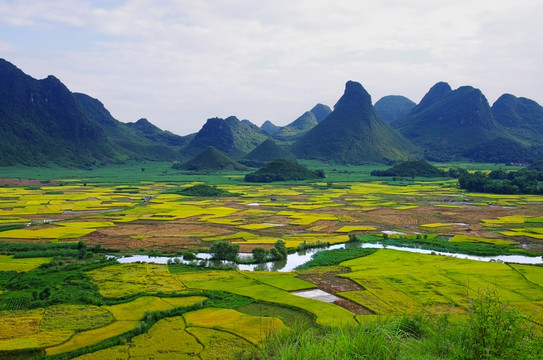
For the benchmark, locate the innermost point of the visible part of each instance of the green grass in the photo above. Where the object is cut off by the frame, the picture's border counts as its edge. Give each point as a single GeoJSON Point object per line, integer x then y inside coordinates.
{"type": "Point", "coordinates": [290, 316]}
{"type": "Point", "coordinates": [492, 330]}
{"type": "Point", "coordinates": [335, 257]}
{"type": "Point", "coordinates": [438, 244]}
{"type": "Point", "coordinates": [325, 313]}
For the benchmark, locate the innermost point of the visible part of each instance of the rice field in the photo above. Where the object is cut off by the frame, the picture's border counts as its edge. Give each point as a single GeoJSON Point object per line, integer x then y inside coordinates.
{"type": "Point", "coordinates": [115, 215]}
{"type": "Point", "coordinates": [410, 283]}
{"type": "Point", "coordinates": [250, 328]}
{"type": "Point", "coordinates": [8, 263]}
{"type": "Point", "coordinates": [144, 216]}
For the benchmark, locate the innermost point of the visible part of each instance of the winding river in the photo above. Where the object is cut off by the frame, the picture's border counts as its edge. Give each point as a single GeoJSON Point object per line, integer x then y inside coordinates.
{"type": "Point", "coordinates": [301, 257]}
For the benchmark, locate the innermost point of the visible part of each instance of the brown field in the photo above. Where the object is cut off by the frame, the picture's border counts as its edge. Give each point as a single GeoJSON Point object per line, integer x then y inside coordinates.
{"type": "Point", "coordinates": [176, 235]}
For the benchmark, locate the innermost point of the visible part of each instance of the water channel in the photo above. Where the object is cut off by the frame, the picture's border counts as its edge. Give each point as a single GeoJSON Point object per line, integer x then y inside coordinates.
{"type": "Point", "coordinates": [301, 257]}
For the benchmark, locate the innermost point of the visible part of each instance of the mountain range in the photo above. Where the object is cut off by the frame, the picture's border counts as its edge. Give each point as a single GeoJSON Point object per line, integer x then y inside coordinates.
{"type": "Point", "coordinates": [42, 122]}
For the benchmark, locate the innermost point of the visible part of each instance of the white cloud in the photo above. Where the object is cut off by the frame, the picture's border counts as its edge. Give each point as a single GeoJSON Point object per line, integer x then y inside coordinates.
{"type": "Point", "coordinates": [179, 62]}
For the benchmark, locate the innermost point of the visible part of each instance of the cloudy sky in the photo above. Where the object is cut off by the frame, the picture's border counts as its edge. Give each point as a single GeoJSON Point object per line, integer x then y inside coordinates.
{"type": "Point", "coordinates": [180, 62]}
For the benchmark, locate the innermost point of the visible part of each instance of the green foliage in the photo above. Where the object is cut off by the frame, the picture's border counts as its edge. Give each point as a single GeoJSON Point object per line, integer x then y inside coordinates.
{"type": "Point", "coordinates": [437, 244]}
{"type": "Point", "coordinates": [279, 250]}
{"type": "Point", "coordinates": [495, 330]}
{"type": "Point", "coordinates": [200, 190]}
{"type": "Point", "coordinates": [58, 282]}
{"type": "Point", "coordinates": [523, 181]}
{"type": "Point", "coordinates": [411, 169]}
{"type": "Point", "coordinates": [6, 276]}
{"type": "Point", "coordinates": [260, 255]}
{"type": "Point", "coordinates": [223, 250]}
{"type": "Point", "coordinates": [11, 227]}
{"type": "Point", "coordinates": [335, 257]}
{"type": "Point", "coordinates": [491, 331]}
{"type": "Point", "coordinates": [34, 249]}
{"type": "Point", "coordinates": [225, 300]}
{"type": "Point", "coordinates": [283, 170]}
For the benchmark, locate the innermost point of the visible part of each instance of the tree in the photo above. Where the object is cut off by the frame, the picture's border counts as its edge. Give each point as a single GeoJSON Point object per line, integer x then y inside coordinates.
{"type": "Point", "coordinates": [281, 249]}
{"type": "Point", "coordinates": [223, 250]}
{"type": "Point", "coordinates": [260, 255]}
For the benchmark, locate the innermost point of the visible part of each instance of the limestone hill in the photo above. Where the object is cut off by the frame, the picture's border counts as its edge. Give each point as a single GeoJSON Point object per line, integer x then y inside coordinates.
{"type": "Point", "coordinates": [266, 152]}
{"type": "Point", "coordinates": [210, 160]}
{"type": "Point", "coordinates": [353, 133]}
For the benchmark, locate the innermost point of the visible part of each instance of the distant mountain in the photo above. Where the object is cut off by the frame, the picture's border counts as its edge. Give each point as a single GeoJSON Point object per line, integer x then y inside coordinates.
{"type": "Point", "coordinates": [297, 128]}
{"type": "Point", "coordinates": [266, 152]}
{"type": "Point", "coordinates": [269, 128]}
{"type": "Point", "coordinates": [436, 92]}
{"type": "Point", "coordinates": [520, 116]}
{"type": "Point", "coordinates": [353, 133]}
{"type": "Point", "coordinates": [230, 136]}
{"type": "Point", "coordinates": [140, 140]}
{"type": "Point", "coordinates": [42, 122]}
{"type": "Point", "coordinates": [394, 107]}
{"type": "Point", "coordinates": [152, 133]}
{"type": "Point", "coordinates": [455, 124]}
{"type": "Point", "coordinates": [321, 112]}
{"type": "Point", "coordinates": [210, 160]}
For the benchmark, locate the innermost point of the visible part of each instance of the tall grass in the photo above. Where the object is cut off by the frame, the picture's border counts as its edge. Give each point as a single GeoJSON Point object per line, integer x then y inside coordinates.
{"type": "Point", "coordinates": [492, 330]}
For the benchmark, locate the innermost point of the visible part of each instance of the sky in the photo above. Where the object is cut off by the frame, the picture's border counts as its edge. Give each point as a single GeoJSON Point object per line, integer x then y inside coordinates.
{"type": "Point", "coordinates": [179, 62]}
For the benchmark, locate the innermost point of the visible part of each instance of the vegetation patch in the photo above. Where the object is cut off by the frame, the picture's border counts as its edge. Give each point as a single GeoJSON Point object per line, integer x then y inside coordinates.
{"type": "Point", "coordinates": [251, 328]}
{"type": "Point", "coordinates": [412, 282]}
{"type": "Point", "coordinates": [130, 279]}
{"type": "Point", "coordinates": [219, 345]}
{"type": "Point", "coordinates": [50, 232]}
{"type": "Point", "coordinates": [283, 170]}
{"type": "Point", "coordinates": [91, 337]}
{"type": "Point", "coordinates": [8, 263]}
{"type": "Point", "coordinates": [418, 168]}
{"type": "Point", "coordinates": [351, 228]}
{"type": "Point", "coordinates": [74, 317]}
{"type": "Point", "coordinates": [335, 257]}
{"type": "Point", "coordinates": [200, 190]}
{"type": "Point", "coordinates": [325, 313]}
{"type": "Point", "coordinates": [167, 338]}
{"type": "Point", "coordinates": [465, 238]}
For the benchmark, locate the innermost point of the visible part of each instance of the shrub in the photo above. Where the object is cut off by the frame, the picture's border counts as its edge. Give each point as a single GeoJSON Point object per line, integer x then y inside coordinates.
{"type": "Point", "coordinates": [223, 250]}
{"type": "Point", "coordinates": [496, 331]}
{"type": "Point", "coordinates": [260, 255]}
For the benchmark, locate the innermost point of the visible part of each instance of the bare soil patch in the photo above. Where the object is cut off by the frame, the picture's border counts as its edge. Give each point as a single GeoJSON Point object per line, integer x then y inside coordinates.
{"type": "Point", "coordinates": [333, 284]}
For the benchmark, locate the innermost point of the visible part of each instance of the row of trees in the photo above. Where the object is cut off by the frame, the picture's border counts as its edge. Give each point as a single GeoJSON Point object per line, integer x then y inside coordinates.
{"type": "Point", "coordinates": [224, 250]}
{"type": "Point", "coordinates": [523, 181]}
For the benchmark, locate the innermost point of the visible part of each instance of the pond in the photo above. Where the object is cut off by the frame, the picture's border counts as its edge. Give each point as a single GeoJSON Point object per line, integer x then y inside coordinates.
{"type": "Point", "coordinates": [301, 257]}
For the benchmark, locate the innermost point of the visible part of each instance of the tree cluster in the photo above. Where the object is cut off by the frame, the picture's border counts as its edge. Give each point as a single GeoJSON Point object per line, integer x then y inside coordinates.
{"type": "Point", "coordinates": [283, 170]}
{"type": "Point", "coordinates": [523, 181]}
{"type": "Point", "coordinates": [411, 169]}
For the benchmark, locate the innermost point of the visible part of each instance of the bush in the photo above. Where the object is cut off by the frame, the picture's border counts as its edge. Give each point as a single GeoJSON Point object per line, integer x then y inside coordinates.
{"type": "Point", "coordinates": [496, 331]}
{"type": "Point", "coordinates": [260, 255]}
{"type": "Point", "coordinates": [223, 250]}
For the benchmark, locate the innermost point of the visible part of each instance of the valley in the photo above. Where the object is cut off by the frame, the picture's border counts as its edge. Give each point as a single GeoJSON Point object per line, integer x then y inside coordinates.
{"type": "Point", "coordinates": [61, 297]}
